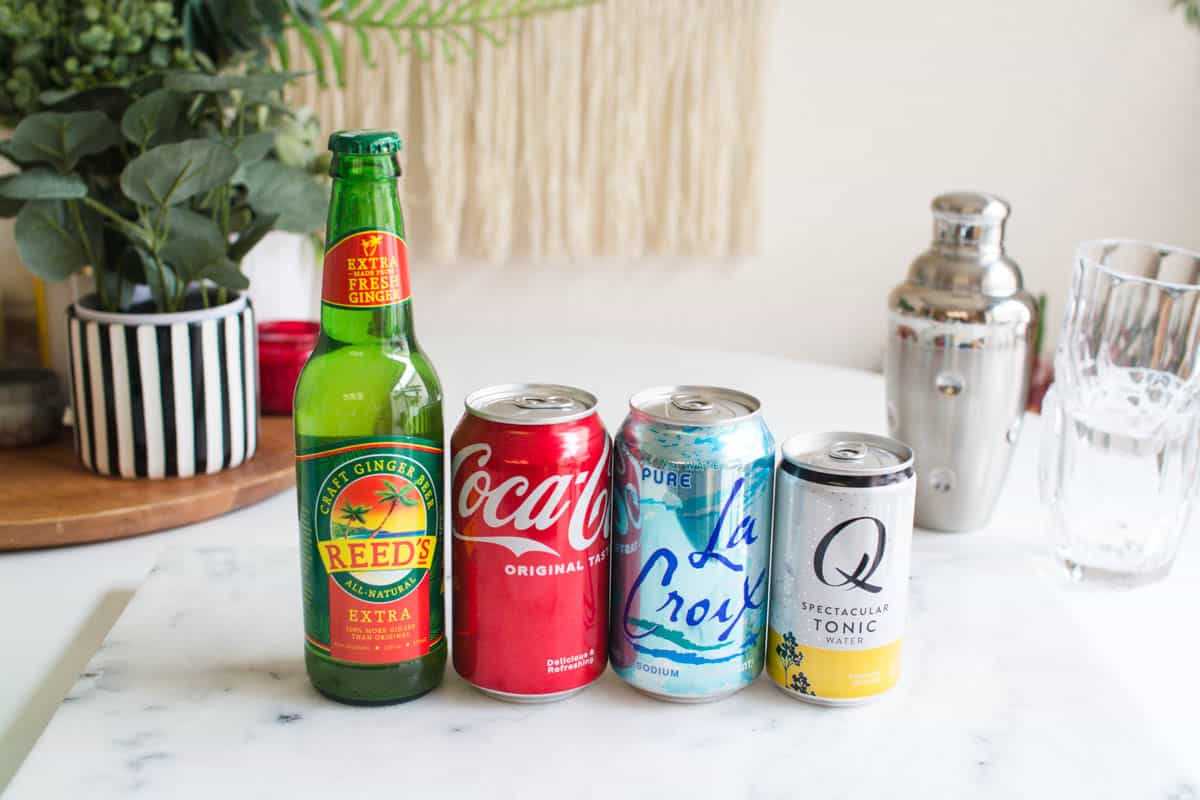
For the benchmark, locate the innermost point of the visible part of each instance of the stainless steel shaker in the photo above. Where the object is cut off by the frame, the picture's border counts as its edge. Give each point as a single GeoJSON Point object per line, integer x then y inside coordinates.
{"type": "Point", "coordinates": [961, 339]}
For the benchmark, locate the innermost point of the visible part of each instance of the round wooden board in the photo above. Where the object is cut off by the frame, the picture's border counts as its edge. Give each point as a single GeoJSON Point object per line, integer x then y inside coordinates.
{"type": "Point", "coordinates": [48, 499]}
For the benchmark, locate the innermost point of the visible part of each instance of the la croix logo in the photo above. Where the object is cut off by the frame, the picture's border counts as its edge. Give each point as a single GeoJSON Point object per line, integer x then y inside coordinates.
{"type": "Point", "coordinates": [540, 507]}
{"type": "Point", "coordinates": [370, 244]}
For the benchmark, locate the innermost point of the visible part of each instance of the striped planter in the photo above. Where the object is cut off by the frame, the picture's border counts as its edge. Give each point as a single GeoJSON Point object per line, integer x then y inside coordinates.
{"type": "Point", "coordinates": [164, 395]}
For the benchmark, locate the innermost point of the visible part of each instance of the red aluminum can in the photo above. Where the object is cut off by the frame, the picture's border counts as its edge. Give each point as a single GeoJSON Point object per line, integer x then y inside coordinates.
{"type": "Point", "coordinates": [530, 483]}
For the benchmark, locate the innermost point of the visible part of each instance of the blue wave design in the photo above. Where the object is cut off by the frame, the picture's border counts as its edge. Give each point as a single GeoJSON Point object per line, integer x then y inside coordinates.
{"type": "Point", "coordinates": [683, 658]}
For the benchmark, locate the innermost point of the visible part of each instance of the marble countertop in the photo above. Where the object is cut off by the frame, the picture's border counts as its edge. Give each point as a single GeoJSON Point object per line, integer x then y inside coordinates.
{"type": "Point", "coordinates": [1014, 685]}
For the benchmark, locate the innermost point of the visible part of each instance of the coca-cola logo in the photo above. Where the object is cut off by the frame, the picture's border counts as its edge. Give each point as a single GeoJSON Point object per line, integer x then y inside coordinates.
{"type": "Point", "coordinates": [539, 509]}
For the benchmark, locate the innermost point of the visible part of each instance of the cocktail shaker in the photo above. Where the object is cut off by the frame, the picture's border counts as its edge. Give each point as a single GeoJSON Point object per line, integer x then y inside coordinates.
{"type": "Point", "coordinates": [961, 340]}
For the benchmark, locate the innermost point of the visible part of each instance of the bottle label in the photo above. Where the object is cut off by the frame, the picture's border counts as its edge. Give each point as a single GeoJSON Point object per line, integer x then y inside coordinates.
{"type": "Point", "coordinates": [371, 549]}
{"type": "Point", "coordinates": [366, 269]}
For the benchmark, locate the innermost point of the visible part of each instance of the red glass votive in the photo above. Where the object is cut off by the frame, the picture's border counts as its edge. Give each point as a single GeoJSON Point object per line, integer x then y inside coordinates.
{"type": "Point", "coordinates": [283, 347]}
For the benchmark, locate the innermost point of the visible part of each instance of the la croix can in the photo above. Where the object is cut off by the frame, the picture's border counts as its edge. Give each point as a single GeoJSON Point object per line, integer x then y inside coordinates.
{"type": "Point", "coordinates": [840, 566]}
{"type": "Point", "coordinates": [693, 473]}
{"type": "Point", "coordinates": [530, 481]}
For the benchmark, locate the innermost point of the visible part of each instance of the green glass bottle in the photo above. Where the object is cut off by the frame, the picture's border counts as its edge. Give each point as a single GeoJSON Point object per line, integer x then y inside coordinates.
{"type": "Point", "coordinates": [369, 452]}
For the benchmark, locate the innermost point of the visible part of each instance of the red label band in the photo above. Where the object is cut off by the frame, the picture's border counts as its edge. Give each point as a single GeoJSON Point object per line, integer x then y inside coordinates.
{"type": "Point", "coordinates": [367, 269]}
{"type": "Point", "coordinates": [380, 633]}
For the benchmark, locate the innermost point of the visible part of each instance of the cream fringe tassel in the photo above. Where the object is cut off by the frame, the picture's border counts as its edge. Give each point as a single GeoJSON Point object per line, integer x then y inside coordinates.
{"type": "Point", "coordinates": [629, 128]}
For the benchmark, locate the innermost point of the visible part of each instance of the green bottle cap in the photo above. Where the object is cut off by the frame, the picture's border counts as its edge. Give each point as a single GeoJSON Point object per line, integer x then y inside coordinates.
{"type": "Point", "coordinates": [365, 143]}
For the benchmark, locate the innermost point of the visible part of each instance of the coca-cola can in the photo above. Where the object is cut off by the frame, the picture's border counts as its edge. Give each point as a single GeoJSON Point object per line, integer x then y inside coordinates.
{"type": "Point", "coordinates": [530, 473]}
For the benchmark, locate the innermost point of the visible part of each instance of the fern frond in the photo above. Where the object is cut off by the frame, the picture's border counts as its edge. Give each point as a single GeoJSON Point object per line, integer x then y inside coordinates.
{"type": "Point", "coordinates": [335, 54]}
{"type": "Point", "coordinates": [315, 52]}
{"type": "Point", "coordinates": [449, 25]}
{"type": "Point", "coordinates": [285, 53]}
{"type": "Point", "coordinates": [418, 42]}
{"type": "Point", "coordinates": [364, 45]}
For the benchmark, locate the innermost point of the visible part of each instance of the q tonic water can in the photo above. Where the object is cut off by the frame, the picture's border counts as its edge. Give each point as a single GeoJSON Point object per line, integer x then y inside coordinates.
{"type": "Point", "coordinates": [693, 473]}
{"type": "Point", "coordinates": [840, 567]}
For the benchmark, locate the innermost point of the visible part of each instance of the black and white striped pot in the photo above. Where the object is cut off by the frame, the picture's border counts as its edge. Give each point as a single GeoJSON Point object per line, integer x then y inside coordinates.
{"type": "Point", "coordinates": [164, 395]}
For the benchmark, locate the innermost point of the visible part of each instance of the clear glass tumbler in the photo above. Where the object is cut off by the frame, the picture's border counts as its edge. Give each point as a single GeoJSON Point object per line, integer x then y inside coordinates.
{"type": "Point", "coordinates": [1121, 424]}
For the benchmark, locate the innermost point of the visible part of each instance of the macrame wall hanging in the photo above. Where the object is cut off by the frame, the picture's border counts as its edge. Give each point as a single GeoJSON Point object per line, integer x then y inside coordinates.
{"type": "Point", "coordinates": [624, 128]}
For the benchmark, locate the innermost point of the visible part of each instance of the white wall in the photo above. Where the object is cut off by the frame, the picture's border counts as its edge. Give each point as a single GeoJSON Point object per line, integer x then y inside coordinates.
{"type": "Point", "coordinates": [1085, 115]}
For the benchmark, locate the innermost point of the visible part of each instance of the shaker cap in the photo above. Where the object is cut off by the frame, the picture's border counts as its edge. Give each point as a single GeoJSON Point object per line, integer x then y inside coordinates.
{"type": "Point", "coordinates": [979, 207]}
{"type": "Point", "coordinates": [971, 220]}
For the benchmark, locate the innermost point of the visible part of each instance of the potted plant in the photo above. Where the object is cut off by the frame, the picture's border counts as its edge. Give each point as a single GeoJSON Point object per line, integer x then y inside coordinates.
{"type": "Point", "coordinates": [155, 159]}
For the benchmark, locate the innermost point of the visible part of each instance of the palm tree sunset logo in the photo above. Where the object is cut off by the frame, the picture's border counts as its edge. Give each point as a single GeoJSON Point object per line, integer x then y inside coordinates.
{"type": "Point", "coordinates": [394, 498]}
{"type": "Point", "coordinates": [370, 244]}
{"type": "Point", "coordinates": [351, 513]}
{"type": "Point", "coordinates": [378, 506]}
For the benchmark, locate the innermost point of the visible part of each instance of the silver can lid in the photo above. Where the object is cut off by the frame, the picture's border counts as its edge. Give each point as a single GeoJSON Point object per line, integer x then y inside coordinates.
{"type": "Point", "coordinates": [531, 403]}
{"type": "Point", "coordinates": [695, 405]}
{"type": "Point", "coordinates": [848, 454]}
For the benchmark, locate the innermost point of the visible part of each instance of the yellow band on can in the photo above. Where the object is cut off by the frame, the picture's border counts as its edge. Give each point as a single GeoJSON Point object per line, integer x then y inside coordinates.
{"type": "Point", "coordinates": [831, 674]}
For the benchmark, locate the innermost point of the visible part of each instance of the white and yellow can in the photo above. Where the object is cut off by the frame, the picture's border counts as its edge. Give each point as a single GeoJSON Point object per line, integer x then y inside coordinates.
{"type": "Point", "coordinates": [840, 566]}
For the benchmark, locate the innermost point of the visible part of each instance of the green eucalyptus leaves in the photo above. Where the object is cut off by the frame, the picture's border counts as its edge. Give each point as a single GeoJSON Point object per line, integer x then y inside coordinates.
{"type": "Point", "coordinates": [172, 193]}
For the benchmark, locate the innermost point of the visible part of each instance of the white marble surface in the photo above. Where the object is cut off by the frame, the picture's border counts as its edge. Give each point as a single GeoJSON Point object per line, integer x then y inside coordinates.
{"type": "Point", "coordinates": [1015, 686]}
{"type": "Point", "coordinates": [200, 688]}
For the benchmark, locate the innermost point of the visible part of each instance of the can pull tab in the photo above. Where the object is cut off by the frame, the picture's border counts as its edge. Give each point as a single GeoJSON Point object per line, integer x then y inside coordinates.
{"type": "Point", "coordinates": [848, 451]}
{"type": "Point", "coordinates": [690, 402]}
{"type": "Point", "coordinates": [534, 402]}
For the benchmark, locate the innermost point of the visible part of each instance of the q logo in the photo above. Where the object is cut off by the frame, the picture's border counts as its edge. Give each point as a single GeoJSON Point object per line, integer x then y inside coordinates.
{"type": "Point", "coordinates": [866, 565]}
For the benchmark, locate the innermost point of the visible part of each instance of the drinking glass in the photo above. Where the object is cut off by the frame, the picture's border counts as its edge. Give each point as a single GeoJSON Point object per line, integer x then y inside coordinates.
{"type": "Point", "coordinates": [1120, 444]}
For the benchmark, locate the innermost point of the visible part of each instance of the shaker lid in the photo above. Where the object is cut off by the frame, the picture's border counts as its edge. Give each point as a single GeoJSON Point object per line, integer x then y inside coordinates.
{"type": "Point", "coordinates": [980, 208]}
{"type": "Point", "coordinates": [966, 261]}
{"type": "Point", "coordinates": [531, 403]}
{"type": "Point", "coordinates": [973, 221]}
{"type": "Point", "coordinates": [695, 405]}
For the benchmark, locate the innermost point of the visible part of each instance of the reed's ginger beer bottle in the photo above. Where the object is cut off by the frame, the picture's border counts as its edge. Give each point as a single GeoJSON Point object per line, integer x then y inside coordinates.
{"type": "Point", "coordinates": [369, 441]}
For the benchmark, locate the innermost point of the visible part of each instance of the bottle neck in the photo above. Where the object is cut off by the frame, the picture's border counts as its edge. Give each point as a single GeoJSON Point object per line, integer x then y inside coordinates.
{"type": "Point", "coordinates": [365, 294]}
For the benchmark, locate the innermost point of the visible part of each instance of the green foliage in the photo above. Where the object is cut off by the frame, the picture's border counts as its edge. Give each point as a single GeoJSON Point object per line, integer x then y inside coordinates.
{"type": "Point", "coordinates": [152, 136]}
{"type": "Point", "coordinates": [171, 197]}
{"type": "Point", "coordinates": [52, 48]}
{"type": "Point", "coordinates": [288, 193]}
{"type": "Point", "coordinates": [42, 184]}
{"type": "Point", "coordinates": [1191, 10]}
{"type": "Point", "coordinates": [171, 173]}
{"type": "Point", "coordinates": [136, 124]}
{"type": "Point", "coordinates": [154, 118]}
{"type": "Point", "coordinates": [226, 29]}
{"type": "Point", "coordinates": [61, 140]}
{"type": "Point", "coordinates": [444, 27]}
{"type": "Point", "coordinates": [57, 237]}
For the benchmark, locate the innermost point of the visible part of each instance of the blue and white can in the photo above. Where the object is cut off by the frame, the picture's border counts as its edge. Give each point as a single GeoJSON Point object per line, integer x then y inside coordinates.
{"type": "Point", "coordinates": [693, 477]}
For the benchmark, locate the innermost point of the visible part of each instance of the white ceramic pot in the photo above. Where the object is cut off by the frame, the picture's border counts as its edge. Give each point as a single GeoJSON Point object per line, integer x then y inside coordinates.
{"type": "Point", "coordinates": [164, 395]}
